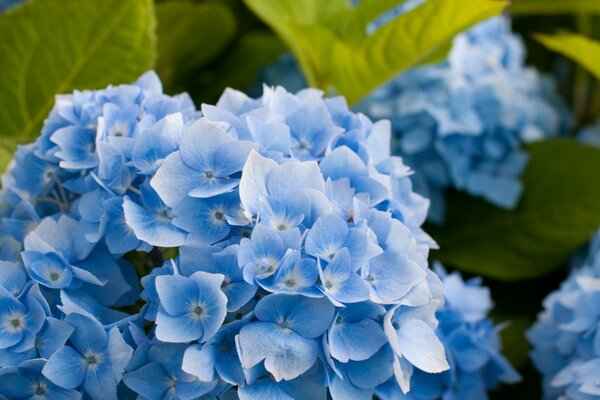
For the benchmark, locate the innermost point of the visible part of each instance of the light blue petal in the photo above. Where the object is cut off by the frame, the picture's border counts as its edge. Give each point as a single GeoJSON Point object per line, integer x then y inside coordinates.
{"type": "Point", "coordinates": [174, 180]}
{"type": "Point", "coordinates": [393, 275]}
{"type": "Point", "coordinates": [176, 293]}
{"type": "Point", "coordinates": [200, 362]}
{"type": "Point", "coordinates": [154, 229]}
{"type": "Point", "coordinates": [420, 345]}
{"type": "Point", "coordinates": [88, 334]}
{"type": "Point", "coordinates": [180, 329]}
{"type": "Point", "coordinates": [200, 143]}
{"type": "Point", "coordinates": [119, 352]}
{"type": "Point", "coordinates": [326, 237]}
{"type": "Point", "coordinates": [150, 381]}
{"type": "Point", "coordinates": [253, 184]}
{"type": "Point", "coordinates": [65, 368]}
{"type": "Point", "coordinates": [100, 383]}
{"type": "Point", "coordinates": [53, 335]}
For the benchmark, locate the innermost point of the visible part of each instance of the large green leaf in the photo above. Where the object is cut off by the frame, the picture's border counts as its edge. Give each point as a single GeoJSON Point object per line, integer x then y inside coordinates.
{"type": "Point", "coordinates": [331, 43]}
{"type": "Point", "coordinates": [558, 213]}
{"type": "Point", "coordinates": [554, 6]}
{"type": "Point", "coordinates": [190, 35]}
{"type": "Point", "coordinates": [581, 49]}
{"type": "Point", "coordinates": [54, 46]}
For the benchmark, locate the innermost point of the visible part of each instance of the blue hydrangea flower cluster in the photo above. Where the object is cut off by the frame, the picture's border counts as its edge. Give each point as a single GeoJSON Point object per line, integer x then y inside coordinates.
{"type": "Point", "coordinates": [566, 336]}
{"type": "Point", "coordinates": [301, 264]}
{"type": "Point", "coordinates": [463, 123]}
{"type": "Point", "coordinates": [472, 345]}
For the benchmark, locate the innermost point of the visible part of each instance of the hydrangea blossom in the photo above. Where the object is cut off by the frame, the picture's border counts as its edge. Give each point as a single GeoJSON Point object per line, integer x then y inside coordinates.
{"type": "Point", "coordinates": [566, 336]}
{"type": "Point", "coordinates": [462, 124]}
{"type": "Point", "coordinates": [472, 345]}
{"type": "Point", "coordinates": [296, 234]}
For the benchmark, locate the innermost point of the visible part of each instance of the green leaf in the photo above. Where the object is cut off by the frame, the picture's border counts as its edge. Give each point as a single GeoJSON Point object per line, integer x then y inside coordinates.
{"type": "Point", "coordinates": [49, 47]}
{"type": "Point", "coordinates": [331, 43]}
{"type": "Point", "coordinates": [190, 35]}
{"type": "Point", "coordinates": [554, 6]}
{"type": "Point", "coordinates": [580, 49]}
{"type": "Point", "coordinates": [239, 67]}
{"type": "Point", "coordinates": [558, 213]}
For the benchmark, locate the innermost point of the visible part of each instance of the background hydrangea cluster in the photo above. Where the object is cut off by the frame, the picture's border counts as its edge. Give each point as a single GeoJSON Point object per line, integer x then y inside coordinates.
{"type": "Point", "coordinates": [566, 336]}
{"type": "Point", "coordinates": [301, 258]}
{"type": "Point", "coordinates": [463, 123]}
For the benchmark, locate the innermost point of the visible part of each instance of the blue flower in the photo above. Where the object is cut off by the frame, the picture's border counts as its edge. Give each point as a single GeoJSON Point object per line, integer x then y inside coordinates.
{"type": "Point", "coordinates": [155, 373]}
{"type": "Point", "coordinates": [355, 333]}
{"type": "Point", "coordinates": [284, 335]}
{"type": "Point", "coordinates": [224, 262]}
{"type": "Point", "coordinates": [27, 382]}
{"type": "Point", "coordinates": [93, 359]}
{"type": "Point", "coordinates": [191, 308]}
{"type": "Point", "coordinates": [205, 165]}
{"type": "Point", "coordinates": [21, 318]}
{"type": "Point", "coordinates": [566, 335]}
{"type": "Point", "coordinates": [151, 220]}
{"type": "Point", "coordinates": [218, 357]}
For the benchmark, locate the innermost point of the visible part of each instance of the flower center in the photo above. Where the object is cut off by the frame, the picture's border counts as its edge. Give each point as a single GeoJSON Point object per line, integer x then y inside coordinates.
{"type": "Point", "coordinates": [289, 283]}
{"type": "Point", "coordinates": [199, 311]}
{"type": "Point", "coordinates": [209, 174]}
{"type": "Point", "coordinates": [328, 284]}
{"type": "Point", "coordinates": [54, 276]}
{"type": "Point", "coordinates": [219, 215]}
{"type": "Point", "coordinates": [39, 389]}
{"type": "Point", "coordinates": [281, 227]}
{"type": "Point", "coordinates": [16, 323]}
{"type": "Point", "coordinates": [92, 359]}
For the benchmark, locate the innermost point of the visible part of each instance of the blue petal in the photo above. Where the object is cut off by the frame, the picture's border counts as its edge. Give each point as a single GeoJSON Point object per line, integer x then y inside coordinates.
{"type": "Point", "coordinates": [200, 143]}
{"type": "Point", "coordinates": [392, 276]}
{"type": "Point", "coordinates": [53, 335]}
{"type": "Point", "coordinates": [152, 228]}
{"type": "Point", "coordinates": [200, 362]}
{"type": "Point", "coordinates": [88, 333]}
{"type": "Point", "coordinates": [150, 381]}
{"type": "Point", "coordinates": [176, 293]}
{"type": "Point", "coordinates": [287, 355]}
{"type": "Point", "coordinates": [174, 180]}
{"type": "Point", "coordinates": [326, 237]}
{"type": "Point", "coordinates": [180, 329]}
{"type": "Point", "coordinates": [100, 382]}
{"type": "Point", "coordinates": [65, 368]}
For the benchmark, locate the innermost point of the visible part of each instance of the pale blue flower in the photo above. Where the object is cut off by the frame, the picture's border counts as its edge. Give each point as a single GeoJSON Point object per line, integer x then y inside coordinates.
{"type": "Point", "coordinates": [155, 373]}
{"type": "Point", "coordinates": [21, 318]}
{"type": "Point", "coordinates": [191, 308]}
{"type": "Point", "coordinates": [205, 165]}
{"type": "Point", "coordinates": [566, 336]}
{"type": "Point", "coordinates": [285, 334]}
{"type": "Point", "coordinates": [27, 382]}
{"type": "Point", "coordinates": [93, 359]}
